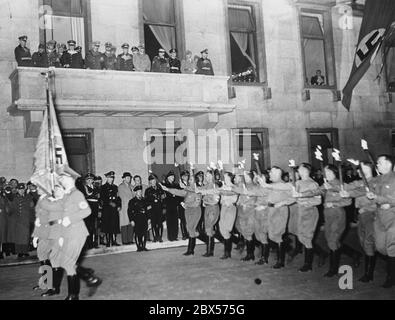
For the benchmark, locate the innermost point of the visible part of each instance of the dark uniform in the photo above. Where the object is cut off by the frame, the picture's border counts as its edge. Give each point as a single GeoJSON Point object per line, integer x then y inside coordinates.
{"type": "Point", "coordinates": [92, 196]}
{"type": "Point", "coordinates": [153, 197]}
{"type": "Point", "coordinates": [4, 211]}
{"type": "Point", "coordinates": [175, 64]}
{"type": "Point", "coordinates": [110, 216]}
{"type": "Point", "coordinates": [40, 59]}
{"type": "Point", "coordinates": [137, 212]}
{"type": "Point", "coordinates": [23, 55]}
{"type": "Point", "coordinates": [125, 61]}
{"type": "Point", "coordinates": [160, 64]}
{"type": "Point", "coordinates": [204, 65]}
{"type": "Point", "coordinates": [94, 59]}
{"type": "Point", "coordinates": [172, 202]}
{"type": "Point", "coordinates": [109, 59]}
{"type": "Point", "coordinates": [22, 213]}
{"type": "Point", "coordinates": [71, 58]}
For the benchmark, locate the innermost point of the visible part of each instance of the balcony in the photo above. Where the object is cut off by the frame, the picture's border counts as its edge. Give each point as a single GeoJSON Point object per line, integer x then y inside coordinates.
{"type": "Point", "coordinates": [100, 92]}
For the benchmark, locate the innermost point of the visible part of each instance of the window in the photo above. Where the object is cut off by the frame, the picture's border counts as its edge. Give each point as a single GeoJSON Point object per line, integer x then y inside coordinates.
{"type": "Point", "coordinates": [159, 25]}
{"type": "Point", "coordinates": [393, 142]}
{"type": "Point", "coordinates": [243, 50]}
{"type": "Point", "coordinates": [250, 141]}
{"type": "Point", "coordinates": [317, 49]}
{"type": "Point", "coordinates": [78, 145]}
{"type": "Point", "coordinates": [65, 21]}
{"type": "Point", "coordinates": [327, 139]}
{"type": "Point", "coordinates": [389, 54]}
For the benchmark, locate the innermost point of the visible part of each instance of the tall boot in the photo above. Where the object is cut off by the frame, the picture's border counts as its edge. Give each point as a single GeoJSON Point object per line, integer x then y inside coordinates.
{"type": "Point", "coordinates": [226, 249]}
{"type": "Point", "coordinates": [139, 244]}
{"type": "Point", "coordinates": [370, 263]}
{"type": "Point", "coordinates": [108, 242]}
{"type": "Point", "coordinates": [114, 240]}
{"type": "Point", "coordinates": [333, 263]}
{"type": "Point", "coordinates": [308, 260]}
{"type": "Point", "coordinates": [250, 251]}
{"type": "Point", "coordinates": [73, 283]}
{"type": "Point", "coordinates": [154, 234]}
{"type": "Point", "coordinates": [184, 231]}
{"type": "Point", "coordinates": [57, 276]}
{"type": "Point", "coordinates": [240, 244]}
{"type": "Point", "coordinates": [144, 243]}
{"type": "Point", "coordinates": [190, 249]}
{"type": "Point", "coordinates": [160, 233]}
{"type": "Point", "coordinates": [212, 245]}
{"type": "Point", "coordinates": [264, 254]}
{"type": "Point", "coordinates": [209, 246]}
{"type": "Point", "coordinates": [280, 256]}
{"type": "Point", "coordinates": [390, 280]}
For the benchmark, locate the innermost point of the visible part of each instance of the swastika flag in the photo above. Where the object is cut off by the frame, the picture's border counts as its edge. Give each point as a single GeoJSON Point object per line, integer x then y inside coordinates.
{"type": "Point", "coordinates": [377, 19]}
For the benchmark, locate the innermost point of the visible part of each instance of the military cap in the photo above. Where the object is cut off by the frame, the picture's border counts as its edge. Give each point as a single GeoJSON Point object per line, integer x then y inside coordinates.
{"type": "Point", "coordinates": [110, 174]}
{"type": "Point", "coordinates": [51, 43]}
{"type": "Point", "coordinates": [134, 48]}
{"type": "Point", "coordinates": [24, 38]}
{"type": "Point", "coordinates": [137, 188]}
{"type": "Point", "coordinates": [152, 177]}
{"type": "Point", "coordinates": [173, 50]}
{"type": "Point", "coordinates": [125, 45]}
{"type": "Point", "coordinates": [200, 173]}
{"type": "Point", "coordinates": [89, 176]}
{"type": "Point", "coordinates": [8, 189]}
{"type": "Point", "coordinates": [71, 42]}
{"type": "Point", "coordinates": [96, 43]}
{"type": "Point", "coordinates": [170, 173]}
{"type": "Point", "coordinates": [41, 46]}
{"type": "Point", "coordinates": [161, 50]}
{"type": "Point", "coordinates": [108, 45]}
{"type": "Point", "coordinates": [204, 51]}
{"type": "Point", "coordinates": [21, 186]}
{"type": "Point", "coordinates": [97, 178]}
{"type": "Point", "coordinates": [79, 48]}
{"type": "Point", "coordinates": [126, 174]}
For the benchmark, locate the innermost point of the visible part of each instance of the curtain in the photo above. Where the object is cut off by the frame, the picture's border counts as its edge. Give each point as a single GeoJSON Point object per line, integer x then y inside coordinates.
{"type": "Point", "coordinates": [242, 41]}
{"type": "Point", "coordinates": [161, 11]}
{"type": "Point", "coordinates": [78, 32]}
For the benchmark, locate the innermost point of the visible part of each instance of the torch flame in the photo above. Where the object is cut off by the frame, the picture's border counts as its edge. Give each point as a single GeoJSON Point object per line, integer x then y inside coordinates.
{"type": "Point", "coordinates": [292, 163]}
{"type": "Point", "coordinates": [336, 154]}
{"type": "Point", "coordinates": [220, 164]}
{"type": "Point", "coordinates": [318, 154]}
{"type": "Point", "coordinates": [256, 156]}
{"type": "Point", "coordinates": [364, 144]}
{"type": "Point", "coordinates": [353, 161]}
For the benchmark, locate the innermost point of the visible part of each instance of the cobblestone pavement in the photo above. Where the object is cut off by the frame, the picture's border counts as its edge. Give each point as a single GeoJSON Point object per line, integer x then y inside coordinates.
{"type": "Point", "coordinates": [167, 274]}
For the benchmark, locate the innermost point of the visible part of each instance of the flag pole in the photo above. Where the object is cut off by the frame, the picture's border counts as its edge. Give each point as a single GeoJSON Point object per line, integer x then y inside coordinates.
{"type": "Point", "coordinates": [50, 133]}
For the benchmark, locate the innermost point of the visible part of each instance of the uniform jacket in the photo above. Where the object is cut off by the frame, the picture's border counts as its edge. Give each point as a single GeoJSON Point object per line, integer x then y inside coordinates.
{"type": "Point", "coordinates": [160, 65]}
{"type": "Point", "coordinates": [357, 190]}
{"type": "Point", "coordinates": [384, 188]}
{"type": "Point", "coordinates": [126, 194]}
{"type": "Point", "coordinates": [22, 215]}
{"type": "Point", "coordinates": [72, 59]}
{"type": "Point", "coordinates": [246, 200]}
{"type": "Point", "coordinates": [76, 208]}
{"type": "Point", "coordinates": [205, 67]}
{"type": "Point", "coordinates": [55, 214]}
{"type": "Point", "coordinates": [137, 208]}
{"type": "Point", "coordinates": [23, 56]}
{"type": "Point", "coordinates": [125, 62]}
{"type": "Point", "coordinates": [109, 62]}
{"type": "Point", "coordinates": [333, 196]}
{"type": "Point", "coordinates": [4, 214]}
{"type": "Point", "coordinates": [142, 63]}
{"type": "Point", "coordinates": [109, 194]}
{"type": "Point", "coordinates": [188, 66]}
{"type": "Point", "coordinates": [210, 199]}
{"type": "Point", "coordinates": [191, 198]}
{"type": "Point", "coordinates": [53, 58]}
{"type": "Point", "coordinates": [94, 60]}
{"type": "Point", "coordinates": [40, 60]}
{"type": "Point", "coordinates": [175, 65]}
{"type": "Point", "coordinates": [311, 193]}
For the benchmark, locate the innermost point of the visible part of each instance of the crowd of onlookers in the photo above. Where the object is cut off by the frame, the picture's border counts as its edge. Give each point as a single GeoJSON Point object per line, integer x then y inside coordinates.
{"type": "Point", "coordinates": [53, 54]}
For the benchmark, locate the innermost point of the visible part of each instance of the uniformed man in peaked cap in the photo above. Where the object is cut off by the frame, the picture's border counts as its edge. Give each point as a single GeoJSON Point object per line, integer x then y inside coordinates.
{"type": "Point", "coordinates": [22, 53]}
{"type": "Point", "coordinates": [72, 58]}
{"type": "Point", "coordinates": [204, 65]}
{"type": "Point", "coordinates": [94, 58]}
{"type": "Point", "coordinates": [154, 196]}
{"type": "Point", "coordinates": [125, 59]}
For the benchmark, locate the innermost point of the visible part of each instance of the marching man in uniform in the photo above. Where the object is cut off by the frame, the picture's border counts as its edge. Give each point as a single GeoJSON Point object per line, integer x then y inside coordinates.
{"type": "Point", "coordinates": [76, 209]}
{"type": "Point", "coordinates": [384, 225]}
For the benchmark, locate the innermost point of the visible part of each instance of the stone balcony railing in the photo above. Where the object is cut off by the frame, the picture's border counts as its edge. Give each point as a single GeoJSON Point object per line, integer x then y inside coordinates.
{"type": "Point", "coordinates": [82, 92]}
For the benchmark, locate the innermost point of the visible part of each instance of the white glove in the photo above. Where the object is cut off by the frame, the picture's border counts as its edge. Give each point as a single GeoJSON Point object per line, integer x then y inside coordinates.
{"type": "Point", "coordinates": [61, 241]}
{"type": "Point", "coordinates": [35, 242]}
{"type": "Point", "coordinates": [37, 222]}
{"type": "Point", "coordinates": [66, 222]}
{"type": "Point", "coordinates": [132, 223]}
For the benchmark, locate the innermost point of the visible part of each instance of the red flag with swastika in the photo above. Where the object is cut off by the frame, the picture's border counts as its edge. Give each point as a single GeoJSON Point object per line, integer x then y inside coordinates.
{"type": "Point", "coordinates": [377, 19]}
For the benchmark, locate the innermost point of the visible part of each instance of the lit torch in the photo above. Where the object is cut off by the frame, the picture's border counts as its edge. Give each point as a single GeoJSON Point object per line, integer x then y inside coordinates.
{"type": "Point", "coordinates": [318, 156]}
{"type": "Point", "coordinates": [364, 145]}
{"type": "Point", "coordinates": [358, 164]}
{"type": "Point", "coordinates": [292, 165]}
{"type": "Point", "coordinates": [256, 160]}
{"type": "Point", "coordinates": [336, 156]}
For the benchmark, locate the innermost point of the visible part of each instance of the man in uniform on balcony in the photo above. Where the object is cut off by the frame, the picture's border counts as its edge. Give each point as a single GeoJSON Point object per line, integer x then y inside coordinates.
{"type": "Point", "coordinates": [141, 60]}
{"type": "Point", "coordinates": [110, 59]}
{"type": "Point", "coordinates": [204, 65]}
{"type": "Point", "coordinates": [94, 58]}
{"type": "Point", "coordinates": [53, 55]}
{"type": "Point", "coordinates": [22, 53]}
{"type": "Point", "coordinates": [175, 64]}
{"type": "Point", "coordinates": [160, 62]}
{"type": "Point", "coordinates": [40, 58]}
{"type": "Point", "coordinates": [72, 58]}
{"type": "Point", "coordinates": [125, 59]}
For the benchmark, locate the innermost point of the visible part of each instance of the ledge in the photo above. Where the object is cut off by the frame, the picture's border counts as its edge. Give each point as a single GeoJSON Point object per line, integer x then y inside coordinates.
{"type": "Point", "coordinates": [83, 92]}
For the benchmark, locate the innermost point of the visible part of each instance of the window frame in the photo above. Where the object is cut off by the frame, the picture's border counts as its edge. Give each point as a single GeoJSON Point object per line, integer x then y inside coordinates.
{"type": "Point", "coordinates": [259, 41]}
{"type": "Point", "coordinates": [328, 46]}
{"type": "Point", "coordinates": [178, 26]}
{"type": "Point", "coordinates": [86, 14]}
{"type": "Point", "coordinates": [334, 132]}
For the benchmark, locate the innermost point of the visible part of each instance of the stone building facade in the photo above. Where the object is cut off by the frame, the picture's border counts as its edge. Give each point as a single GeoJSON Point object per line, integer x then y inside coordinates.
{"type": "Point", "coordinates": [107, 112]}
